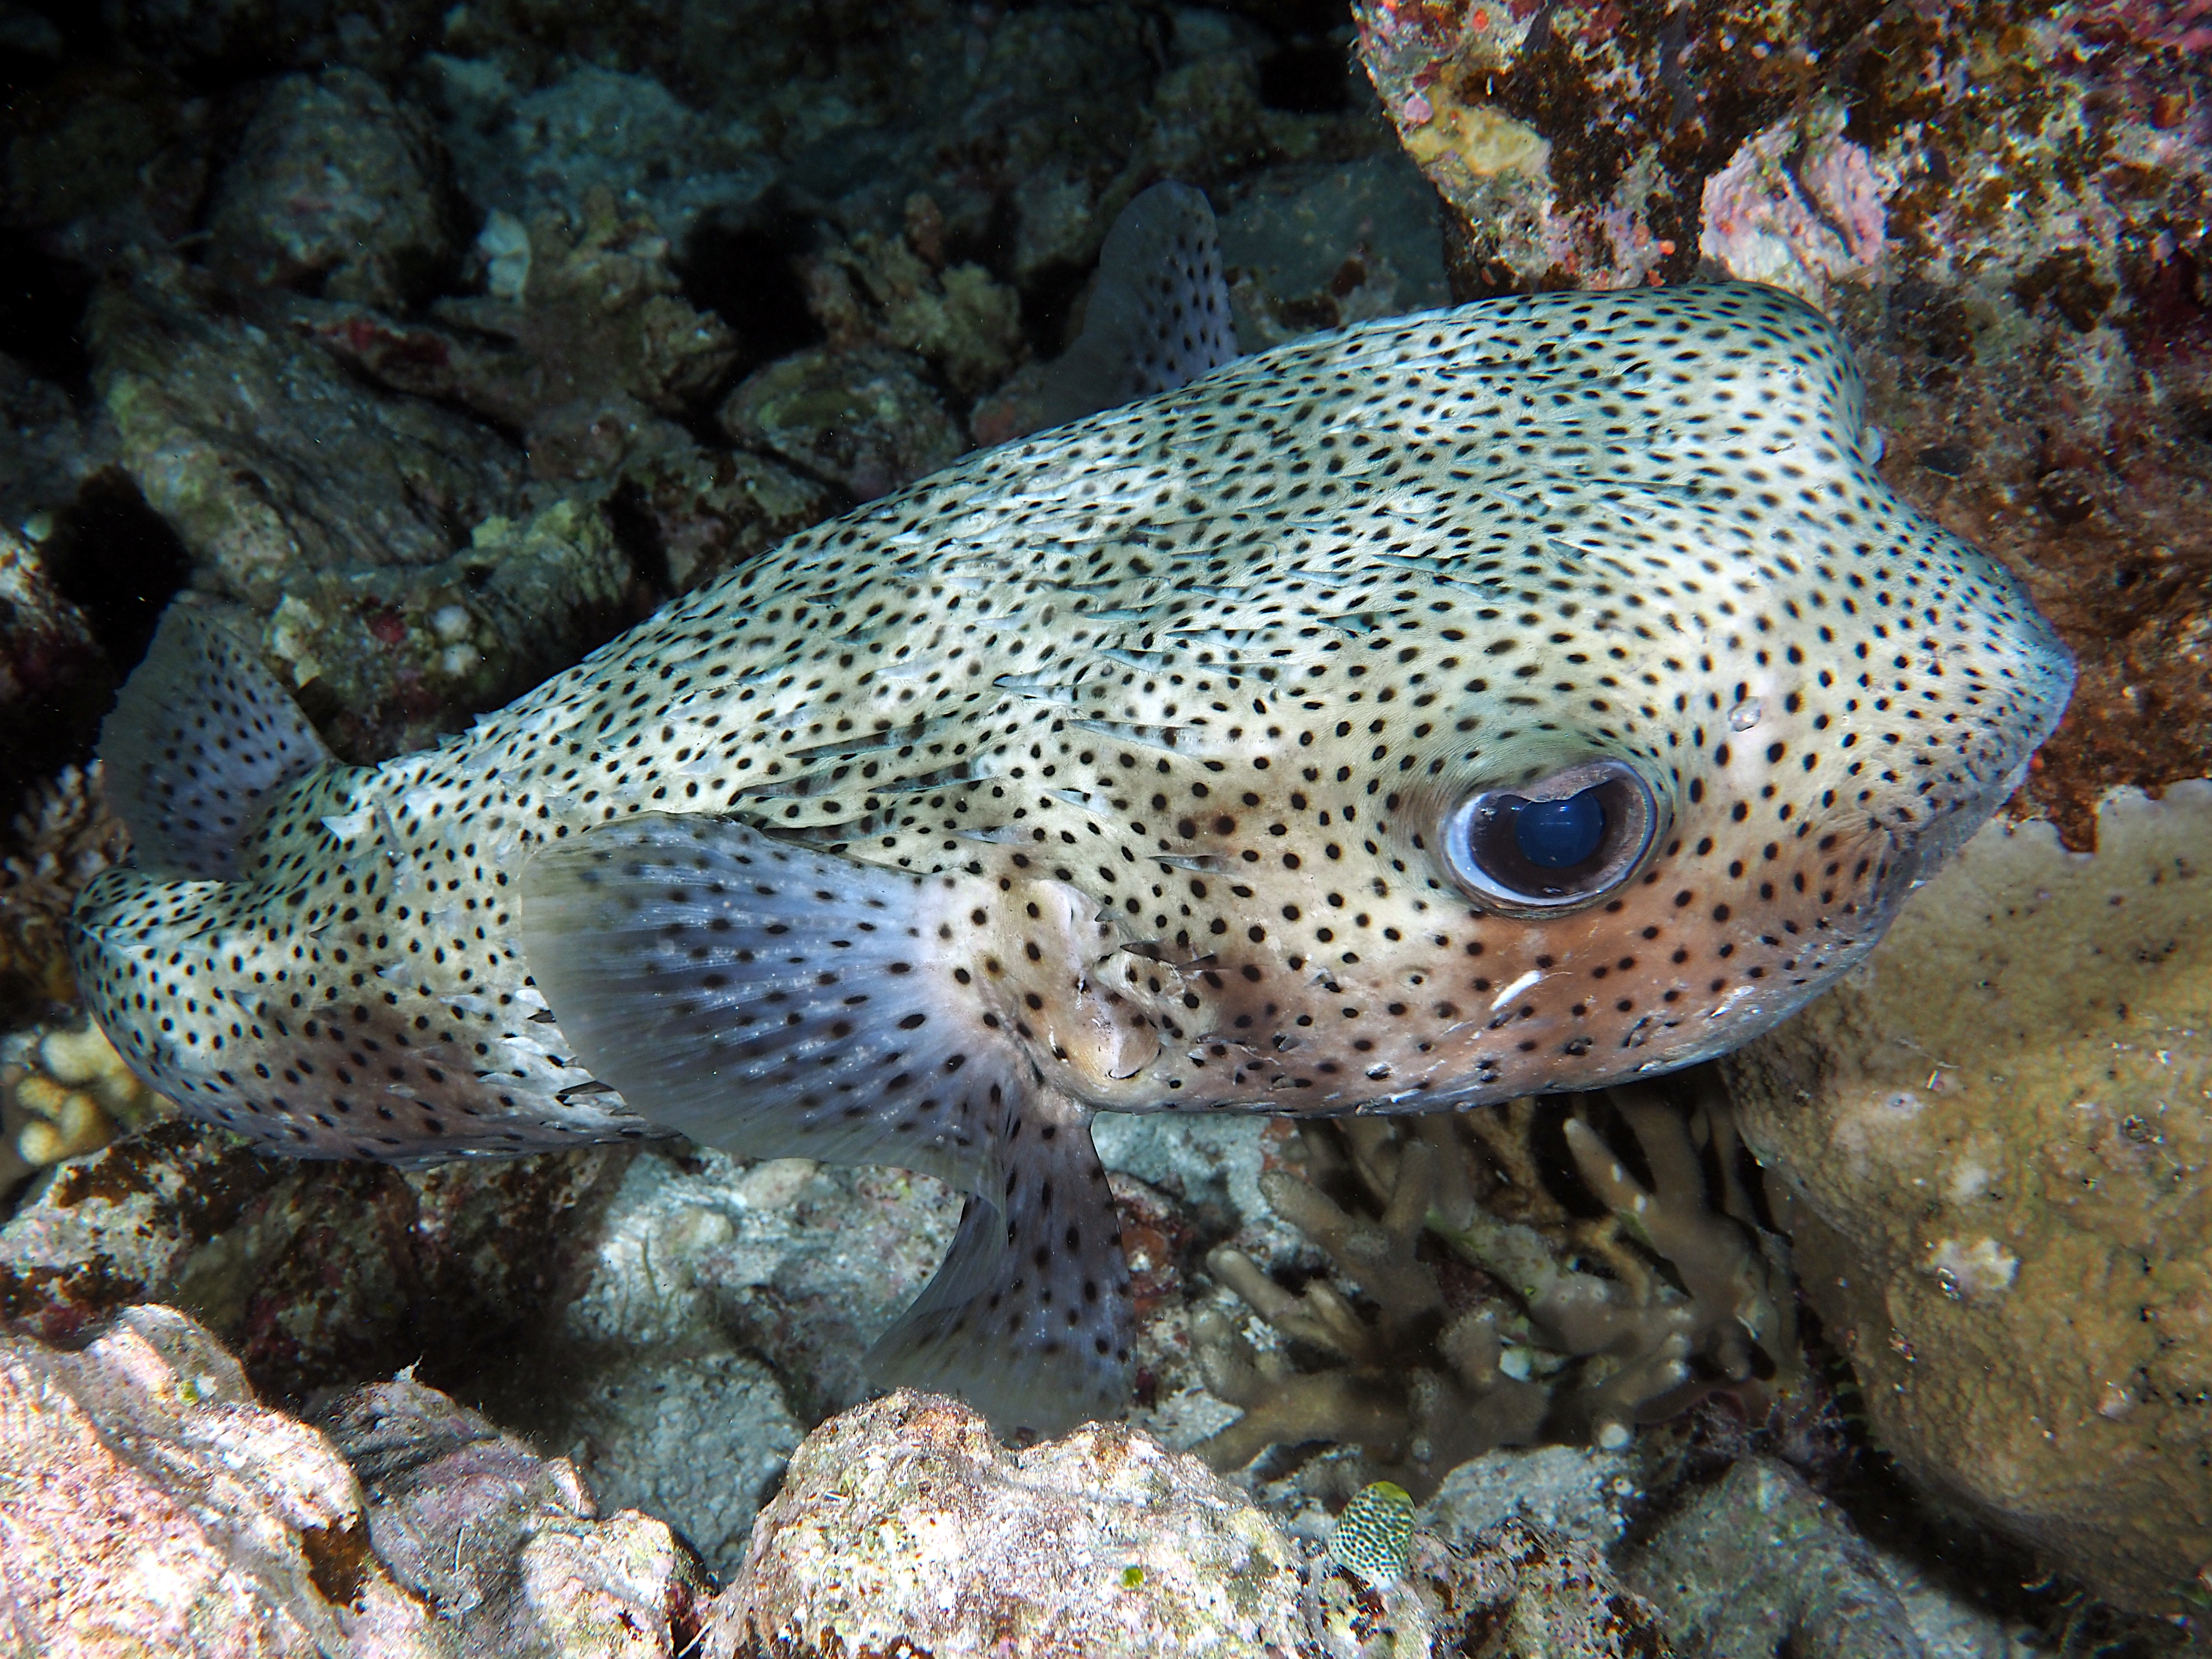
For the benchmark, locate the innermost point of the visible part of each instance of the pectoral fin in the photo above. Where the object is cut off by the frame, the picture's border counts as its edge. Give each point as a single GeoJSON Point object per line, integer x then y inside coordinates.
{"type": "Point", "coordinates": [779, 1001]}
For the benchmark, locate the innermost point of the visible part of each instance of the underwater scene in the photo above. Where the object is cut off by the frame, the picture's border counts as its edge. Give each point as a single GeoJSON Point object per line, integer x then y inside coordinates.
{"type": "Point", "coordinates": [895, 828]}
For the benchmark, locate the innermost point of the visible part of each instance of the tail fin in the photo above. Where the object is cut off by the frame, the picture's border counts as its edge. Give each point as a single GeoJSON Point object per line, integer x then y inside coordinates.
{"type": "Point", "coordinates": [200, 738]}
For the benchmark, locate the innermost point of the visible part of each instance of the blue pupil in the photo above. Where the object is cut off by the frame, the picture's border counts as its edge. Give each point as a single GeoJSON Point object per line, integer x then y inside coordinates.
{"type": "Point", "coordinates": [1557, 835]}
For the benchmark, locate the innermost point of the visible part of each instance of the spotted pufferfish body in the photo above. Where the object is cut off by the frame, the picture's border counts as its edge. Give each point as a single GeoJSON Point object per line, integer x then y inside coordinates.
{"type": "Point", "coordinates": [1515, 698]}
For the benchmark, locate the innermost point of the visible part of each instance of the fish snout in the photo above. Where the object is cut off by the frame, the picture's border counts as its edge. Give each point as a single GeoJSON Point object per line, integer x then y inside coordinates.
{"type": "Point", "coordinates": [2020, 680]}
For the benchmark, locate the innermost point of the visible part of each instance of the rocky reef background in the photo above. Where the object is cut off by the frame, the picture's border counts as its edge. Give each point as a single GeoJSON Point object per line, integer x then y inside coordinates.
{"type": "Point", "coordinates": [432, 346]}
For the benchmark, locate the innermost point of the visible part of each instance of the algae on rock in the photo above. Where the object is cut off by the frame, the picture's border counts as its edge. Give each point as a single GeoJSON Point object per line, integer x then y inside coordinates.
{"type": "Point", "coordinates": [1998, 1135]}
{"type": "Point", "coordinates": [270, 461]}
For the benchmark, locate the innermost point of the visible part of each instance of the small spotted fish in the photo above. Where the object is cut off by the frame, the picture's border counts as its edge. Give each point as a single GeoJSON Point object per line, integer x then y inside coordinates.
{"type": "Point", "coordinates": [1519, 697]}
{"type": "Point", "coordinates": [1373, 1536]}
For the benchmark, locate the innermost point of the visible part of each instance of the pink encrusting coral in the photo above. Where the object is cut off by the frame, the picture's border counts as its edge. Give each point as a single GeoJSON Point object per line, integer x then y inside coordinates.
{"type": "Point", "coordinates": [2181, 25]}
{"type": "Point", "coordinates": [1798, 206]}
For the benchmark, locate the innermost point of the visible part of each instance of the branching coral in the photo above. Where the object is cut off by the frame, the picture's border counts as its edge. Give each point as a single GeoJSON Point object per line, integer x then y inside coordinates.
{"type": "Point", "coordinates": [68, 1092]}
{"type": "Point", "coordinates": [1631, 1280]}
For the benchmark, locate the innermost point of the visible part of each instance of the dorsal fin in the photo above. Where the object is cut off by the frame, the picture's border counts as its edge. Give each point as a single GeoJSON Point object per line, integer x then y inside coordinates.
{"type": "Point", "coordinates": [200, 738]}
{"type": "Point", "coordinates": [1159, 315]}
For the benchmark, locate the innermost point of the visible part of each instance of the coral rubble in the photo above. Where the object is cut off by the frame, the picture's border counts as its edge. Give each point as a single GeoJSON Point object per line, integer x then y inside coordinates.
{"type": "Point", "coordinates": [1995, 1133]}
{"type": "Point", "coordinates": [48, 448]}
{"type": "Point", "coordinates": [338, 188]}
{"type": "Point", "coordinates": [716, 1313]}
{"type": "Point", "coordinates": [1759, 1554]}
{"type": "Point", "coordinates": [54, 679]}
{"type": "Point", "coordinates": [270, 461]}
{"type": "Point", "coordinates": [321, 1274]}
{"type": "Point", "coordinates": [509, 1550]}
{"type": "Point", "coordinates": [867, 420]}
{"type": "Point", "coordinates": [390, 657]}
{"type": "Point", "coordinates": [581, 339]}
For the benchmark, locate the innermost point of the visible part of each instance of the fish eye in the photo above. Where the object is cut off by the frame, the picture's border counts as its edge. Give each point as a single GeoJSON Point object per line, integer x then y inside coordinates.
{"type": "Point", "coordinates": [1554, 844]}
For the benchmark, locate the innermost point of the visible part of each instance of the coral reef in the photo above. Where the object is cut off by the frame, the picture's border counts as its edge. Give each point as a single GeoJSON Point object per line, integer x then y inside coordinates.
{"type": "Point", "coordinates": [694, 1317]}
{"type": "Point", "coordinates": [336, 190]}
{"type": "Point", "coordinates": [1994, 1135]}
{"type": "Point", "coordinates": [1585, 1493]}
{"type": "Point", "coordinates": [378, 36]}
{"type": "Point", "coordinates": [111, 158]}
{"type": "Point", "coordinates": [155, 1505]}
{"type": "Point", "coordinates": [420, 470]}
{"type": "Point", "coordinates": [867, 420]}
{"type": "Point", "coordinates": [65, 1092]}
{"type": "Point", "coordinates": [1594, 1325]}
{"type": "Point", "coordinates": [1798, 206]}
{"type": "Point", "coordinates": [2004, 206]}
{"type": "Point", "coordinates": [701, 513]}
{"type": "Point", "coordinates": [63, 838]}
{"type": "Point", "coordinates": [902, 1525]}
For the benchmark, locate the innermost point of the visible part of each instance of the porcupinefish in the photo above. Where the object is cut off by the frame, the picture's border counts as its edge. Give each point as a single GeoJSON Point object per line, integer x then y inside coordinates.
{"type": "Point", "coordinates": [1513, 698]}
